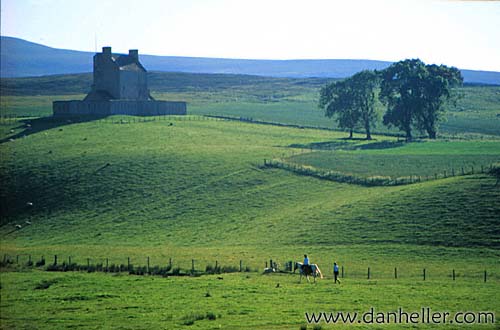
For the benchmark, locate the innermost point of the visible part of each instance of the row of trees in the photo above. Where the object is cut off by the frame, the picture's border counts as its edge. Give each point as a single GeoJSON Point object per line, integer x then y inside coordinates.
{"type": "Point", "coordinates": [413, 92]}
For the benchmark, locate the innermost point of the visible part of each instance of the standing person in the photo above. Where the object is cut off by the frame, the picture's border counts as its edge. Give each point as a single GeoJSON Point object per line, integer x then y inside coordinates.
{"type": "Point", "coordinates": [335, 273]}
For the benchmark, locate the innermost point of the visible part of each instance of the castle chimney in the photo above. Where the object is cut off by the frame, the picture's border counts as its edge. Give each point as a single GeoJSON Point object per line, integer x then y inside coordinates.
{"type": "Point", "coordinates": [106, 51]}
{"type": "Point", "coordinates": [134, 53]}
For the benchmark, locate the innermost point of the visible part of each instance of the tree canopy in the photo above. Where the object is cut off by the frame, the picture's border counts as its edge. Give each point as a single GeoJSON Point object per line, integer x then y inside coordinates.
{"type": "Point", "coordinates": [415, 94]}
{"type": "Point", "coordinates": [352, 101]}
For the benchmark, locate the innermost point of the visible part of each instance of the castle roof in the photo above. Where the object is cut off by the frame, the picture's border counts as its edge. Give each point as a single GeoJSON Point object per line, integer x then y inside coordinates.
{"type": "Point", "coordinates": [128, 63]}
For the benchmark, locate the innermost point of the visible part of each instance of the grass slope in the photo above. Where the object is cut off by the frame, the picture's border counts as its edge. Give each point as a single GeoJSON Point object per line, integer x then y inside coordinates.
{"type": "Point", "coordinates": [191, 188]}
{"type": "Point", "coordinates": [397, 159]}
{"type": "Point", "coordinates": [283, 100]}
{"type": "Point", "coordinates": [198, 183]}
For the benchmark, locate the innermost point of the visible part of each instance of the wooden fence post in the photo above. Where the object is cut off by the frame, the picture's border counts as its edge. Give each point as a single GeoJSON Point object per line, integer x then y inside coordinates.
{"type": "Point", "coordinates": [368, 272]}
{"type": "Point", "coordinates": [453, 274]}
{"type": "Point", "coordinates": [485, 276]}
{"type": "Point", "coordinates": [424, 274]}
{"type": "Point", "coordinates": [192, 265]}
{"type": "Point", "coordinates": [395, 272]}
{"type": "Point", "coordinates": [148, 266]}
{"type": "Point", "coordinates": [241, 266]}
{"type": "Point", "coordinates": [342, 271]}
{"type": "Point", "coordinates": [55, 259]}
{"type": "Point", "coordinates": [107, 265]}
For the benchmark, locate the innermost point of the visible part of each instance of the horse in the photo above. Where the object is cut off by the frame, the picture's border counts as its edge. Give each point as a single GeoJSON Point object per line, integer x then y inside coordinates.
{"type": "Point", "coordinates": [312, 270]}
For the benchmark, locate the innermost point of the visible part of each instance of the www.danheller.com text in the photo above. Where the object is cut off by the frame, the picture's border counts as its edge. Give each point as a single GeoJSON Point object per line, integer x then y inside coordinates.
{"type": "Point", "coordinates": [424, 316]}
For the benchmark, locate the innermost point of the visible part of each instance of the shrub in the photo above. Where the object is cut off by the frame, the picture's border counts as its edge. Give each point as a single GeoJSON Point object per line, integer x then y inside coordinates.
{"type": "Point", "coordinates": [230, 269]}
{"type": "Point", "coordinates": [40, 263]}
{"type": "Point", "coordinates": [212, 269]}
{"type": "Point", "coordinates": [176, 271]}
{"type": "Point", "coordinates": [191, 318]}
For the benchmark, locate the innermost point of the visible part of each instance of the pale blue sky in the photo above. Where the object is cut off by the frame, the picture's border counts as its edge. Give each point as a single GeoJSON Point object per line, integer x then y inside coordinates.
{"type": "Point", "coordinates": [465, 34]}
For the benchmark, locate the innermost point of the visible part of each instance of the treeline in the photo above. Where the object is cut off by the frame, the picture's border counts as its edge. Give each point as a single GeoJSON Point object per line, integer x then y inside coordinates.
{"type": "Point", "coordinates": [414, 94]}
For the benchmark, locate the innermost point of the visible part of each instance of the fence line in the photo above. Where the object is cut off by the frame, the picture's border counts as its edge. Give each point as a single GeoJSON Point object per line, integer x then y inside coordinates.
{"type": "Point", "coordinates": [367, 181]}
{"type": "Point", "coordinates": [120, 119]}
{"type": "Point", "coordinates": [169, 268]}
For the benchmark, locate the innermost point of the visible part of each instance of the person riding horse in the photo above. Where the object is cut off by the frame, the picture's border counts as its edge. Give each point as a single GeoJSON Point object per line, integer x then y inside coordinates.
{"type": "Point", "coordinates": [306, 267]}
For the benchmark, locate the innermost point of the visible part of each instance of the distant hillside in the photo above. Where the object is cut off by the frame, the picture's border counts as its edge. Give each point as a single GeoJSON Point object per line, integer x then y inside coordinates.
{"type": "Point", "coordinates": [79, 83]}
{"type": "Point", "coordinates": [21, 58]}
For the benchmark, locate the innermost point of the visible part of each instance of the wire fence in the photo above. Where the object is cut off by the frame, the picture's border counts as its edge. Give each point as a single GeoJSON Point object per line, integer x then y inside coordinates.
{"type": "Point", "coordinates": [117, 119]}
{"type": "Point", "coordinates": [370, 180]}
{"type": "Point", "coordinates": [197, 267]}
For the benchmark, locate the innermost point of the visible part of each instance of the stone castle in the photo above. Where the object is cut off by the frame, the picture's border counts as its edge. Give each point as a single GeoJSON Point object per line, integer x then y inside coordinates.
{"type": "Point", "coordinates": [120, 87]}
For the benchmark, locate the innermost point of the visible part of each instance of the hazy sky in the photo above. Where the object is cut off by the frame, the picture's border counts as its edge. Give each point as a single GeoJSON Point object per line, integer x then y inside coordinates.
{"type": "Point", "coordinates": [465, 34]}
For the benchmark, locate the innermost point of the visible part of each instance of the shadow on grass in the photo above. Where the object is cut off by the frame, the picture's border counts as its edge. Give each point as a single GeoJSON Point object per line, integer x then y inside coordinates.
{"type": "Point", "coordinates": [381, 145]}
{"type": "Point", "coordinates": [344, 144]}
{"type": "Point", "coordinates": [37, 125]}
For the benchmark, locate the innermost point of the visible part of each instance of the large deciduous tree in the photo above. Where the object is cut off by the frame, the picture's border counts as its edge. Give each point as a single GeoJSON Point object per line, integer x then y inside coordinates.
{"type": "Point", "coordinates": [364, 85]}
{"type": "Point", "coordinates": [437, 91]}
{"type": "Point", "coordinates": [337, 100]}
{"type": "Point", "coordinates": [415, 95]}
{"type": "Point", "coordinates": [352, 101]}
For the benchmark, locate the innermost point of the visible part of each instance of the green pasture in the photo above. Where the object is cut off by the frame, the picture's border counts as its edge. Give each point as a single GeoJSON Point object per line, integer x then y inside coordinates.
{"type": "Point", "coordinates": [396, 159]}
{"type": "Point", "coordinates": [190, 188]}
{"type": "Point", "coordinates": [476, 114]}
{"type": "Point", "coordinates": [193, 188]}
{"type": "Point", "coordinates": [230, 301]}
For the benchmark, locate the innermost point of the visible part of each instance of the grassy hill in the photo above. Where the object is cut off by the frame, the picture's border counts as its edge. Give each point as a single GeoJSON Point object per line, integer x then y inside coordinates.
{"type": "Point", "coordinates": [199, 183]}
{"type": "Point", "coordinates": [280, 100]}
{"type": "Point", "coordinates": [426, 160]}
{"type": "Point", "coordinates": [192, 188]}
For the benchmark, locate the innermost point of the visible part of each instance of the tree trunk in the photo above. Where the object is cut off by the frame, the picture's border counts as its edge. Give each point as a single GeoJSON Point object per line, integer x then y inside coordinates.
{"type": "Point", "coordinates": [368, 133]}
{"type": "Point", "coordinates": [432, 133]}
{"type": "Point", "coordinates": [408, 135]}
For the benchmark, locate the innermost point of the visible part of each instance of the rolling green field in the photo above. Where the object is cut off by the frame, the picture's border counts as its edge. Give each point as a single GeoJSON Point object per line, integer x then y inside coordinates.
{"type": "Point", "coordinates": [196, 188]}
{"type": "Point", "coordinates": [190, 188]}
{"type": "Point", "coordinates": [238, 301]}
{"type": "Point", "coordinates": [281, 100]}
{"type": "Point", "coordinates": [426, 160]}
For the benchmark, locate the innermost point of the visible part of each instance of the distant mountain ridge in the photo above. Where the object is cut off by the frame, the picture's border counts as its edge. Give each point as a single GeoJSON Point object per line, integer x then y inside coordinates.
{"type": "Point", "coordinates": [21, 58]}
